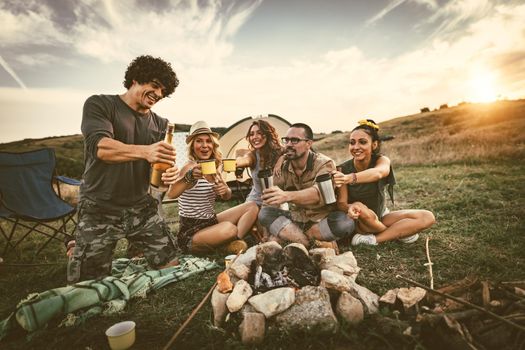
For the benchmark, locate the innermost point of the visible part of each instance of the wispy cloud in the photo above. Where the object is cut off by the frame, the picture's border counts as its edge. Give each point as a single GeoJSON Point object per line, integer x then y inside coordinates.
{"type": "Point", "coordinates": [458, 14]}
{"type": "Point", "coordinates": [185, 32]}
{"type": "Point", "coordinates": [345, 85]}
{"type": "Point", "coordinates": [12, 73]}
{"type": "Point", "coordinates": [29, 23]}
{"type": "Point", "coordinates": [393, 4]}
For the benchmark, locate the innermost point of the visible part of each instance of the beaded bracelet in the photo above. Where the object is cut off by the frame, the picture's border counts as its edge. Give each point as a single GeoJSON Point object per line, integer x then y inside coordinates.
{"type": "Point", "coordinates": [188, 177]}
{"type": "Point", "coordinates": [354, 179]}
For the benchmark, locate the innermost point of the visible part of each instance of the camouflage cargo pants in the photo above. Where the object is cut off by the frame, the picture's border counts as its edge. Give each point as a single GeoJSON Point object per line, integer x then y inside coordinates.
{"type": "Point", "coordinates": [99, 230]}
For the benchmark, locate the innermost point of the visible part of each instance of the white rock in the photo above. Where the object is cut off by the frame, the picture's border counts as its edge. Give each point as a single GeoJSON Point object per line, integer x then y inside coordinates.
{"type": "Point", "coordinates": [321, 255]}
{"type": "Point", "coordinates": [297, 245]}
{"type": "Point", "coordinates": [334, 280]}
{"type": "Point", "coordinates": [241, 292]}
{"type": "Point", "coordinates": [390, 296]}
{"type": "Point", "coordinates": [369, 299]}
{"type": "Point", "coordinates": [267, 250]}
{"type": "Point", "coordinates": [411, 296]}
{"type": "Point", "coordinates": [274, 301]}
{"type": "Point", "coordinates": [252, 328]}
{"type": "Point", "coordinates": [345, 262]}
{"type": "Point", "coordinates": [336, 269]}
{"type": "Point", "coordinates": [350, 308]}
{"type": "Point", "coordinates": [240, 271]}
{"type": "Point", "coordinates": [311, 311]}
{"type": "Point", "coordinates": [247, 257]}
{"type": "Point", "coordinates": [218, 303]}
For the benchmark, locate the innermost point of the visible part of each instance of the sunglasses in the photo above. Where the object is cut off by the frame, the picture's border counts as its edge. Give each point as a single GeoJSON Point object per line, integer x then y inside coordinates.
{"type": "Point", "coordinates": [292, 140]}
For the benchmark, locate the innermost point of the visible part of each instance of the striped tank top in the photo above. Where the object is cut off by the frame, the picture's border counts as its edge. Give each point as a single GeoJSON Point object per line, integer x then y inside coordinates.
{"type": "Point", "coordinates": [198, 202]}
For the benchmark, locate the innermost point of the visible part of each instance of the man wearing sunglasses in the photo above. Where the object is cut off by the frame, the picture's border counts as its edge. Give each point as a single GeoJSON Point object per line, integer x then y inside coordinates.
{"type": "Point", "coordinates": [309, 220]}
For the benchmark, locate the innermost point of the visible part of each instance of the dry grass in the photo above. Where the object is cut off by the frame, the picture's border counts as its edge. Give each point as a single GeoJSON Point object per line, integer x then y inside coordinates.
{"type": "Point", "coordinates": [479, 210]}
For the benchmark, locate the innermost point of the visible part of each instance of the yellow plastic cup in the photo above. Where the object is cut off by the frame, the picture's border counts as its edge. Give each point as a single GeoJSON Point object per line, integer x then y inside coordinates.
{"type": "Point", "coordinates": [228, 260]}
{"type": "Point", "coordinates": [121, 336]}
{"type": "Point", "coordinates": [208, 167]}
{"type": "Point", "coordinates": [229, 164]}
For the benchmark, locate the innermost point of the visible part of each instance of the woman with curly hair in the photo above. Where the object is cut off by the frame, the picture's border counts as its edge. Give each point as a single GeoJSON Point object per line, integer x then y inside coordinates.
{"type": "Point", "coordinates": [201, 229]}
{"type": "Point", "coordinates": [362, 181]}
{"type": "Point", "coordinates": [265, 150]}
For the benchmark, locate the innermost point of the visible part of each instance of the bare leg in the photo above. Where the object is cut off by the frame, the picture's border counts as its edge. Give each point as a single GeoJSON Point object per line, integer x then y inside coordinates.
{"type": "Point", "coordinates": [213, 236]}
{"type": "Point", "coordinates": [314, 232]}
{"type": "Point", "coordinates": [368, 222]}
{"type": "Point", "coordinates": [405, 223]}
{"type": "Point", "coordinates": [293, 233]}
{"type": "Point", "coordinates": [260, 232]}
{"type": "Point", "coordinates": [243, 216]}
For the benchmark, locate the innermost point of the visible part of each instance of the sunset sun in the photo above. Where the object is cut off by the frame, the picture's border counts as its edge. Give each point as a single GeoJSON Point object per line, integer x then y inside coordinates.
{"type": "Point", "coordinates": [482, 86]}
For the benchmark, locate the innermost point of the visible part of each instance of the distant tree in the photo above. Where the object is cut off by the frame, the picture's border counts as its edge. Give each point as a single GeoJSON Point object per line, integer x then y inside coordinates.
{"type": "Point", "coordinates": [337, 132]}
{"type": "Point", "coordinates": [443, 106]}
{"type": "Point", "coordinates": [424, 110]}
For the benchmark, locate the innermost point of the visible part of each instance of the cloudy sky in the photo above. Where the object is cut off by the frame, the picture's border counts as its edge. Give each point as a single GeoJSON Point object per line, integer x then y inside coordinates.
{"type": "Point", "coordinates": [327, 63]}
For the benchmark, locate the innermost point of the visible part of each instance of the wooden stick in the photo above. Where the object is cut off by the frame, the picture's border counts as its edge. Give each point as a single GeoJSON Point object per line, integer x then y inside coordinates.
{"type": "Point", "coordinates": [194, 312]}
{"type": "Point", "coordinates": [458, 316]}
{"type": "Point", "coordinates": [429, 264]}
{"type": "Point", "coordinates": [461, 301]}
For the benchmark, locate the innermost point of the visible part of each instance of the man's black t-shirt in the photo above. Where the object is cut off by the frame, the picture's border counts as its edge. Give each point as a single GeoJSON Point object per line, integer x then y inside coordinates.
{"type": "Point", "coordinates": [118, 185]}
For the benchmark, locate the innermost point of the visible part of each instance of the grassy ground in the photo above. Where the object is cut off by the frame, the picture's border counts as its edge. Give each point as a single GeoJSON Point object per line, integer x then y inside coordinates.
{"type": "Point", "coordinates": [479, 209]}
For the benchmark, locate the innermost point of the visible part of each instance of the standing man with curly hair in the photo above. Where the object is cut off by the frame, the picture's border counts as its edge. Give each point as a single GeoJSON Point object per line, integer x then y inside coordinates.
{"type": "Point", "coordinates": [122, 137]}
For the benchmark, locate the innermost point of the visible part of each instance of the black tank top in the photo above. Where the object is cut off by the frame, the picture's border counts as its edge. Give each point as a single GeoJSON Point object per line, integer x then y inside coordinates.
{"type": "Point", "coordinates": [370, 194]}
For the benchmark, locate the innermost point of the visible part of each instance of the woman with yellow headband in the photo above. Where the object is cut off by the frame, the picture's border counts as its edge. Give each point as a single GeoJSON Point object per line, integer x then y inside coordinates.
{"type": "Point", "coordinates": [362, 181]}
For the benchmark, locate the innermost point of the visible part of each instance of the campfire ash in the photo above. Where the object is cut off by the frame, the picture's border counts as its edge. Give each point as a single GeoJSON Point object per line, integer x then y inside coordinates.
{"type": "Point", "coordinates": [274, 267]}
{"type": "Point", "coordinates": [291, 289]}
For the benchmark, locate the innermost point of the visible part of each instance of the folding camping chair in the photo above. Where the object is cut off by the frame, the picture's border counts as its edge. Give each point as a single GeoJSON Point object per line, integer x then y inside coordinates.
{"type": "Point", "coordinates": [28, 201]}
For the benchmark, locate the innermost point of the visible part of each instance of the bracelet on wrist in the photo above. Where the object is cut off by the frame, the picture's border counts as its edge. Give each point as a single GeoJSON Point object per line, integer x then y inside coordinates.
{"type": "Point", "coordinates": [188, 177]}
{"type": "Point", "coordinates": [353, 181]}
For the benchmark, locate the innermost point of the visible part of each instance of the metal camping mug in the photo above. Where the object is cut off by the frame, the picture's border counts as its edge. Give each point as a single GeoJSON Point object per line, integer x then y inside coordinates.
{"type": "Point", "coordinates": [326, 188]}
{"type": "Point", "coordinates": [265, 179]}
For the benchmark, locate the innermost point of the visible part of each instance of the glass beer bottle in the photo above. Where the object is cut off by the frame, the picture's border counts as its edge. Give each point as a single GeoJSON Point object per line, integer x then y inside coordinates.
{"type": "Point", "coordinates": [159, 168]}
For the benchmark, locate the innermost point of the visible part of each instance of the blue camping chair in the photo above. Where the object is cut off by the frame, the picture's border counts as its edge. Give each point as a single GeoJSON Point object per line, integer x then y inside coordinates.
{"type": "Point", "coordinates": [28, 201]}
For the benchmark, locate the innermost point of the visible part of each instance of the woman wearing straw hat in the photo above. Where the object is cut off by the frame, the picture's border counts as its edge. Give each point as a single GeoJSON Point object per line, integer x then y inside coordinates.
{"type": "Point", "coordinates": [201, 229]}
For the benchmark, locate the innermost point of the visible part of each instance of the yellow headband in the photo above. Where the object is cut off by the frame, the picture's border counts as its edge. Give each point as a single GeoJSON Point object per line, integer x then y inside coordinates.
{"type": "Point", "coordinates": [367, 123]}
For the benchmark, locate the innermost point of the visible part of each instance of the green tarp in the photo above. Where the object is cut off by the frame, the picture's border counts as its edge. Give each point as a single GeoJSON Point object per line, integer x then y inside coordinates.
{"type": "Point", "coordinates": [129, 279]}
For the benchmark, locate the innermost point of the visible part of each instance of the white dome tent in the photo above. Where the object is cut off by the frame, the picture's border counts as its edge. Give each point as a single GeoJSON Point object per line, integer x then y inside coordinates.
{"type": "Point", "coordinates": [234, 143]}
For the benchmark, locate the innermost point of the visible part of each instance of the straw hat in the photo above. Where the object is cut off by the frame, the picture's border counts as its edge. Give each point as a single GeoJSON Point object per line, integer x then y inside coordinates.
{"type": "Point", "coordinates": [200, 127]}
